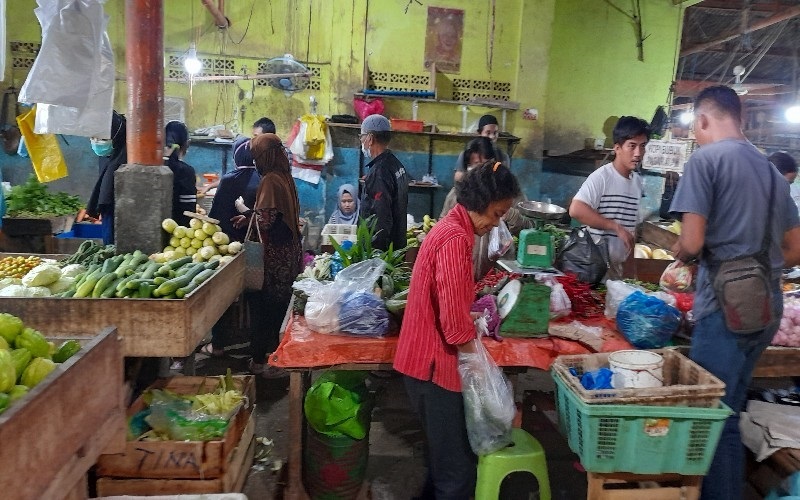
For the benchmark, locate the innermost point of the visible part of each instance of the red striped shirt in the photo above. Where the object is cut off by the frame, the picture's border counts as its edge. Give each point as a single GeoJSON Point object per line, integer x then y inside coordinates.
{"type": "Point", "coordinates": [437, 316]}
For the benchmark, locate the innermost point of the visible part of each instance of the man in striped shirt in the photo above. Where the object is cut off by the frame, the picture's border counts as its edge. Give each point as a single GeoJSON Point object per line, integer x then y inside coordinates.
{"type": "Point", "coordinates": [608, 201]}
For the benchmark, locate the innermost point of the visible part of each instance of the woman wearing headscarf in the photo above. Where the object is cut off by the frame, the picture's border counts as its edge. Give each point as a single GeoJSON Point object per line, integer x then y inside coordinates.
{"type": "Point", "coordinates": [241, 182]}
{"type": "Point", "coordinates": [112, 154]}
{"type": "Point", "coordinates": [277, 215]}
{"type": "Point", "coordinates": [184, 182]}
{"type": "Point", "coordinates": [347, 207]}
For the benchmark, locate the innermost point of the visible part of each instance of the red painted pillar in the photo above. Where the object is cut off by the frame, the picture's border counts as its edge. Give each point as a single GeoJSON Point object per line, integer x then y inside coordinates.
{"type": "Point", "coordinates": [144, 59]}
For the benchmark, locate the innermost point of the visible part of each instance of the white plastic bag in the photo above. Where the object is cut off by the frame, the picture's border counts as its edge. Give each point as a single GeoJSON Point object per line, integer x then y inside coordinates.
{"type": "Point", "coordinates": [616, 292]}
{"type": "Point", "coordinates": [488, 401]}
{"type": "Point", "coordinates": [560, 305]}
{"type": "Point", "coordinates": [347, 304]}
{"type": "Point", "coordinates": [72, 78]}
{"type": "Point", "coordinates": [500, 240]}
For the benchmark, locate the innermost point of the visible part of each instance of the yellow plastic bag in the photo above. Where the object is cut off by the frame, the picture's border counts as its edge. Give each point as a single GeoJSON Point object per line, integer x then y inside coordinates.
{"type": "Point", "coordinates": [315, 136]}
{"type": "Point", "coordinates": [43, 149]}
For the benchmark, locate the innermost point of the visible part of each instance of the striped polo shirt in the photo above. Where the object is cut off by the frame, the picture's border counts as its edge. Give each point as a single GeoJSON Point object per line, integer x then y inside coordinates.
{"type": "Point", "coordinates": [613, 196]}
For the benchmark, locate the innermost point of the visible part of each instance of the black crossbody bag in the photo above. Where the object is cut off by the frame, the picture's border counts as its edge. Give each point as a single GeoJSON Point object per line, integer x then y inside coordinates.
{"type": "Point", "coordinates": [742, 285]}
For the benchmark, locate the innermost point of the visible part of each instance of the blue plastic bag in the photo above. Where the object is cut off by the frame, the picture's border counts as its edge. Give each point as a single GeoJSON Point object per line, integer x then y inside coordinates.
{"type": "Point", "coordinates": [647, 322]}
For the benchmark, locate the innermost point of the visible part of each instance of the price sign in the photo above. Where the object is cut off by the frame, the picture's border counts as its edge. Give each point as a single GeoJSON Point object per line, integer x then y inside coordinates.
{"type": "Point", "coordinates": [665, 155]}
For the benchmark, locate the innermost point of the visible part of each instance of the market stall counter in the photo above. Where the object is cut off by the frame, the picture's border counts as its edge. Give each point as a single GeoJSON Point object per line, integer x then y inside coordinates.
{"type": "Point", "coordinates": [302, 350]}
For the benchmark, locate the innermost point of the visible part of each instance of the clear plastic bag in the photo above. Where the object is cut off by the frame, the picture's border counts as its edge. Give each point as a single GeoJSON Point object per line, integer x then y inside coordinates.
{"type": "Point", "coordinates": [678, 277]}
{"type": "Point", "coordinates": [616, 292]}
{"type": "Point", "coordinates": [347, 303]}
{"type": "Point", "coordinates": [488, 401]}
{"type": "Point", "coordinates": [560, 305]}
{"type": "Point", "coordinates": [73, 76]}
{"type": "Point", "coordinates": [500, 240]}
{"type": "Point", "coordinates": [646, 321]}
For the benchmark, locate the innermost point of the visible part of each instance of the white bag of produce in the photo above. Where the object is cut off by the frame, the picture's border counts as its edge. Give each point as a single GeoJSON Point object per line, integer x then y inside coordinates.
{"type": "Point", "coordinates": [788, 333]}
{"type": "Point", "coordinates": [616, 292]}
{"type": "Point", "coordinates": [42, 275]}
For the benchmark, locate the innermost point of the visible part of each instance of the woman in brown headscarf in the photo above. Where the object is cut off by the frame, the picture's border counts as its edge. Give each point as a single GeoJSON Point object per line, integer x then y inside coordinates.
{"type": "Point", "coordinates": [277, 212]}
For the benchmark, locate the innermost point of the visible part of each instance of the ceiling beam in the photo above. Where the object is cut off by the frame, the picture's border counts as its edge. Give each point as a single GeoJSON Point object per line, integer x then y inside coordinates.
{"type": "Point", "coordinates": [686, 3]}
{"type": "Point", "coordinates": [773, 52]}
{"type": "Point", "coordinates": [690, 88]}
{"type": "Point", "coordinates": [729, 6]}
{"type": "Point", "coordinates": [778, 17]}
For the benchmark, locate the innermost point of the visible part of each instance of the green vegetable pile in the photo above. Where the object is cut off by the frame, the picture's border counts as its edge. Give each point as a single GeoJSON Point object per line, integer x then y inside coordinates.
{"type": "Point", "coordinates": [32, 199]}
{"type": "Point", "coordinates": [90, 253]}
{"type": "Point", "coordinates": [26, 358]}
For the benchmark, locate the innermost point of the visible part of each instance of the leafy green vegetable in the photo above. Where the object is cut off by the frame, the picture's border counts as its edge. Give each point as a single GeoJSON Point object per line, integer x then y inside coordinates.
{"type": "Point", "coordinates": [32, 199]}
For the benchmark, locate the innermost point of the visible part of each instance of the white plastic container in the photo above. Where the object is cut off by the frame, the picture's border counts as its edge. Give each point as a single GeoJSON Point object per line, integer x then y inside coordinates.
{"type": "Point", "coordinates": [636, 369]}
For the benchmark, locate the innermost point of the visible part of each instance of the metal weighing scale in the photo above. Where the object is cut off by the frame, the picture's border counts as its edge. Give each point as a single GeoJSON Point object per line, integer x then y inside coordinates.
{"type": "Point", "coordinates": [536, 250]}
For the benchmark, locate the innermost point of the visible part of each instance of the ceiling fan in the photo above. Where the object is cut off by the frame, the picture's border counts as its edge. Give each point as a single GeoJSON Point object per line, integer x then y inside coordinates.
{"type": "Point", "coordinates": [742, 88]}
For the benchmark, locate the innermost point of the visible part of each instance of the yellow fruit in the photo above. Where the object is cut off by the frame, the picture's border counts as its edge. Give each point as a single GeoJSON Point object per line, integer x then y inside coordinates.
{"type": "Point", "coordinates": [642, 251]}
{"type": "Point", "coordinates": [660, 253]}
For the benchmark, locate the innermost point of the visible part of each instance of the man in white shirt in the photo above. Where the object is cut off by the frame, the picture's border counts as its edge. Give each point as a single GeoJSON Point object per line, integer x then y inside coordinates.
{"type": "Point", "coordinates": [608, 201]}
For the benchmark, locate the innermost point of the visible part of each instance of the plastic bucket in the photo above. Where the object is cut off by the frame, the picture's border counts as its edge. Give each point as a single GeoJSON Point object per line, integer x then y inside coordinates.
{"type": "Point", "coordinates": [636, 369]}
{"type": "Point", "coordinates": [334, 466]}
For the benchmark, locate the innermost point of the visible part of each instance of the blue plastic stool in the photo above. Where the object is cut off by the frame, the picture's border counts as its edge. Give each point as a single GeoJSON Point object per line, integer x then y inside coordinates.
{"type": "Point", "coordinates": [524, 455]}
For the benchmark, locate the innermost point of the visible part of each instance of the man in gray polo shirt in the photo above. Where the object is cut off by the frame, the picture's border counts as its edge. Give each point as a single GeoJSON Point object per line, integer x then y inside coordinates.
{"type": "Point", "coordinates": [724, 199]}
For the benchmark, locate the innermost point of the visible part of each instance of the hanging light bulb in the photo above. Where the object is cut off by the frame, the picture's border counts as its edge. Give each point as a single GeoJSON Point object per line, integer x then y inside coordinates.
{"type": "Point", "coordinates": [191, 63]}
{"type": "Point", "coordinates": [793, 114]}
{"type": "Point", "coordinates": [686, 117]}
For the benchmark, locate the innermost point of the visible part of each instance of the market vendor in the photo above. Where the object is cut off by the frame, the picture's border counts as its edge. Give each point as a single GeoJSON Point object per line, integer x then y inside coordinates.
{"type": "Point", "coordinates": [438, 324]}
{"type": "Point", "coordinates": [487, 127]}
{"type": "Point", "coordinates": [608, 201]}
{"type": "Point", "coordinates": [722, 197]}
{"type": "Point", "coordinates": [184, 183]}
{"type": "Point", "coordinates": [385, 185]}
{"type": "Point", "coordinates": [479, 151]}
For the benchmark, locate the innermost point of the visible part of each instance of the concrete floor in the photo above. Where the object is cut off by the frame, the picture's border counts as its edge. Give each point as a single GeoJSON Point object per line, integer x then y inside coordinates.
{"type": "Point", "coordinates": [396, 468]}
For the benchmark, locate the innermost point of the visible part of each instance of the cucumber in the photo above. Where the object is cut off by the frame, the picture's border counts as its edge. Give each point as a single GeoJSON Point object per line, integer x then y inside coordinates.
{"type": "Point", "coordinates": [126, 292]}
{"type": "Point", "coordinates": [196, 282]}
{"type": "Point", "coordinates": [137, 283]}
{"type": "Point", "coordinates": [146, 290]}
{"type": "Point", "coordinates": [86, 288]}
{"type": "Point", "coordinates": [159, 280]}
{"type": "Point", "coordinates": [103, 283]}
{"type": "Point", "coordinates": [121, 284]}
{"type": "Point", "coordinates": [112, 264]}
{"type": "Point", "coordinates": [213, 264]}
{"type": "Point", "coordinates": [129, 265]}
{"type": "Point", "coordinates": [173, 284]}
{"type": "Point", "coordinates": [188, 267]}
{"type": "Point", "coordinates": [175, 264]}
{"type": "Point", "coordinates": [111, 289]}
{"type": "Point", "coordinates": [150, 269]}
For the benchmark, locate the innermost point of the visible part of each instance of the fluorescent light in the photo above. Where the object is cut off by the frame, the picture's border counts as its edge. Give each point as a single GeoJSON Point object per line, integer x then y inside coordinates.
{"type": "Point", "coordinates": [686, 117]}
{"type": "Point", "coordinates": [191, 63]}
{"type": "Point", "coordinates": [793, 114]}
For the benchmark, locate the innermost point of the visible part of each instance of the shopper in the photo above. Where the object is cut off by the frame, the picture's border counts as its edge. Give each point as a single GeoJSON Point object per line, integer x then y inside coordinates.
{"type": "Point", "coordinates": [112, 154]}
{"type": "Point", "coordinates": [184, 183]}
{"type": "Point", "coordinates": [385, 185]}
{"type": "Point", "coordinates": [487, 127]}
{"type": "Point", "coordinates": [277, 213]}
{"type": "Point", "coordinates": [347, 207]}
{"type": "Point", "coordinates": [723, 199]}
{"type": "Point", "coordinates": [438, 324]}
{"type": "Point", "coordinates": [608, 201]}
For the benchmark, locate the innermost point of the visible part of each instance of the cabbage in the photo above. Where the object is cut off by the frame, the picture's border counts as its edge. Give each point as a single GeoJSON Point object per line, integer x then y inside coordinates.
{"type": "Point", "coordinates": [42, 275]}
{"type": "Point", "coordinates": [63, 284]}
{"type": "Point", "coordinates": [9, 281]}
{"type": "Point", "coordinates": [72, 271]}
{"type": "Point", "coordinates": [37, 291]}
{"type": "Point", "coordinates": [13, 291]}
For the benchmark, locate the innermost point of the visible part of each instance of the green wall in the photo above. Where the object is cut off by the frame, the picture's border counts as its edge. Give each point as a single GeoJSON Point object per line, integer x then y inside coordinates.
{"type": "Point", "coordinates": [594, 71]}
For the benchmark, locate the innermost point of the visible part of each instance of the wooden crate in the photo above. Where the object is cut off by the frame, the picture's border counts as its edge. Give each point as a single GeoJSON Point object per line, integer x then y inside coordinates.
{"type": "Point", "coordinates": [54, 434]}
{"type": "Point", "coordinates": [649, 270]}
{"type": "Point", "coordinates": [231, 481]}
{"type": "Point", "coordinates": [147, 327]}
{"type": "Point", "coordinates": [196, 460]}
{"type": "Point", "coordinates": [653, 234]}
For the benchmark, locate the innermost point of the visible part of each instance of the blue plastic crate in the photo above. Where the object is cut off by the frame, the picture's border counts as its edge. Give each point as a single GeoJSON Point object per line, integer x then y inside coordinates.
{"type": "Point", "coordinates": [83, 230]}
{"type": "Point", "coordinates": [639, 439]}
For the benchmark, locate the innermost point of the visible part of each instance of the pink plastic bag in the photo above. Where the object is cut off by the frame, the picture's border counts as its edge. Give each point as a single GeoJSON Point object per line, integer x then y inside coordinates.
{"type": "Point", "coordinates": [365, 108]}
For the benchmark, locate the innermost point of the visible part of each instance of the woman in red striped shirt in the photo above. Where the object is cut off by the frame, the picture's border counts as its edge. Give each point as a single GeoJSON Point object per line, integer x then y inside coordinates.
{"type": "Point", "coordinates": [437, 324]}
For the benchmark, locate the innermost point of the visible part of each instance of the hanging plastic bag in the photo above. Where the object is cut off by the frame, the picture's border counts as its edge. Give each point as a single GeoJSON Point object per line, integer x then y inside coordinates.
{"type": "Point", "coordinates": [488, 401]}
{"type": "Point", "coordinates": [45, 153]}
{"type": "Point", "coordinates": [365, 108]}
{"type": "Point", "coordinates": [500, 241]}
{"type": "Point", "coordinates": [647, 322]}
{"type": "Point", "coordinates": [583, 257]}
{"type": "Point", "coordinates": [678, 277]}
{"type": "Point", "coordinates": [361, 315]}
{"type": "Point", "coordinates": [73, 75]}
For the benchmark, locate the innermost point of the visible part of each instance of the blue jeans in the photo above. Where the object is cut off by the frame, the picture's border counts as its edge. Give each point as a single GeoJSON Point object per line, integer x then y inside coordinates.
{"type": "Point", "coordinates": [731, 357]}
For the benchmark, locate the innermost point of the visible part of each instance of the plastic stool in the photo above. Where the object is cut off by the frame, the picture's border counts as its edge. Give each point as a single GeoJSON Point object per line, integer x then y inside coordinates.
{"type": "Point", "coordinates": [524, 455]}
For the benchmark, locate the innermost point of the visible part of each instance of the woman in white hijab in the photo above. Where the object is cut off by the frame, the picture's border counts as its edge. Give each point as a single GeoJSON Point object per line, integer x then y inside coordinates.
{"type": "Point", "coordinates": [347, 206]}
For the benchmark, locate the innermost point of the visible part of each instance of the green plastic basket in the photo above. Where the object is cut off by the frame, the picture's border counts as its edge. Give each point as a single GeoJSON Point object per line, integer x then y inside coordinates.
{"type": "Point", "coordinates": [639, 439]}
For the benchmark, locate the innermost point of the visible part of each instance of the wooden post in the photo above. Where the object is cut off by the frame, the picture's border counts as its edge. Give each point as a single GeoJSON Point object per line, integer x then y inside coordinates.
{"type": "Point", "coordinates": [144, 59]}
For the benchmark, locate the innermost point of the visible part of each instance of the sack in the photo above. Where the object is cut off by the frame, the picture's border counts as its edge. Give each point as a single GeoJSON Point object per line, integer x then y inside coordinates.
{"type": "Point", "coordinates": [646, 321]}
{"type": "Point", "coordinates": [583, 257]}
{"type": "Point", "coordinates": [488, 401]}
{"type": "Point", "coordinates": [253, 258]}
{"type": "Point", "coordinates": [500, 240]}
{"type": "Point", "coordinates": [742, 287]}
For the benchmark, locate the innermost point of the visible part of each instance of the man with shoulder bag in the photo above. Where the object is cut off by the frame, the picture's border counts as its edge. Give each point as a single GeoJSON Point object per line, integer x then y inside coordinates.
{"type": "Point", "coordinates": [739, 221]}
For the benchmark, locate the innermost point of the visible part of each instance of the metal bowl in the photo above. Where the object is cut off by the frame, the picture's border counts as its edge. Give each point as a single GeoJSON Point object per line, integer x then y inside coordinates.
{"type": "Point", "coordinates": [539, 210]}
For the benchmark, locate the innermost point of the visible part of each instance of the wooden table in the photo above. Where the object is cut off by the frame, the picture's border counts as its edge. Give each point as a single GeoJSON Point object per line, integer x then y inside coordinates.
{"type": "Point", "coordinates": [301, 350]}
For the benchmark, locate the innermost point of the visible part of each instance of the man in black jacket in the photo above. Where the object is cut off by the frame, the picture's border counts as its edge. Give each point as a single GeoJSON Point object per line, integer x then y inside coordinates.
{"type": "Point", "coordinates": [385, 192]}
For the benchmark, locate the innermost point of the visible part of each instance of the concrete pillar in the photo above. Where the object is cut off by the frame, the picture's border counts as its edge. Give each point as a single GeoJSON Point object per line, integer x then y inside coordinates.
{"type": "Point", "coordinates": [143, 188]}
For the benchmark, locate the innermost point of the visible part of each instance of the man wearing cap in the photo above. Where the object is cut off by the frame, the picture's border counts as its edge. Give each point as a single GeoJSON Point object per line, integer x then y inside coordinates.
{"type": "Point", "coordinates": [385, 185]}
{"type": "Point", "coordinates": [487, 127]}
